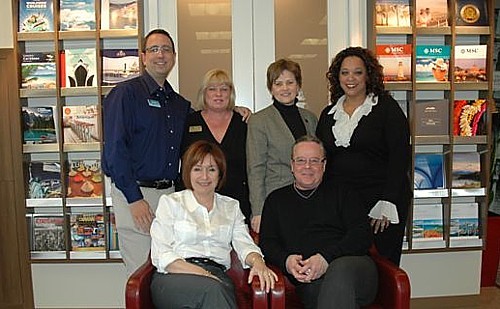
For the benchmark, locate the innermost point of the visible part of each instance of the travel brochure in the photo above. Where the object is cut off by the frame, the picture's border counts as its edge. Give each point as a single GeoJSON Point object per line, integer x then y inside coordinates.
{"type": "Point", "coordinates": [47, 232]}
{"type": "Point", "coordinates": [38, 125]}
{"type": "Point", "coordinates": [427, 227]}
{"type": "Point", "coordinates": [469, 117]}
{"type": "Point", "coordinates": [119, 65]}
{"type": "Point", "coordinates": [464, 223]}
{"type": "Point", "coordinates": [80, 124]}
{"type": "Point", "coordinates": [431, 117]}
{"type": "Point", "coordinates": [118, 14]}
{"type": "Point", "coordinates": [429, 171]}
{"type": "Point", "coordinates": [431, 13]}
{"type": "Point", "coordinates": [84, 179]}
{"type": "Point", "coordinates": [78, 67]}
{"type": "Point", "coordinates": [77, 15]}
{"type": "Point", "coordinates": [38, 71]}
{"type": "Point", "coordinates": [44, 180]}
{"type": "Point", "coordinates": [432, 63]}
{"type": "Point", "coordinates": [87, 232]}
{"type": "Point", "coordinates": [396, 60]}
{"type": "Point", "coordinates": [36, 16]}
{"type": "Point", "coordinates": [466, 170]}
{"type": "Point", "coordinates": [470, 63]}
{"type": "Point", "coordinates": [392, 13]}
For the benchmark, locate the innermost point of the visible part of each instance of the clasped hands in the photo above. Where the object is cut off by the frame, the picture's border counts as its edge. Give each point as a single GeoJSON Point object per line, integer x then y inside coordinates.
{"type": "Point", "coordinates": [307, 270]}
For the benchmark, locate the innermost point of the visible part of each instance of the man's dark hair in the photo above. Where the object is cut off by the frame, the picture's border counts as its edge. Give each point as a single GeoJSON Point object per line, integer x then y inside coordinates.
{"type": "Point", "coordinates": [157, 31]}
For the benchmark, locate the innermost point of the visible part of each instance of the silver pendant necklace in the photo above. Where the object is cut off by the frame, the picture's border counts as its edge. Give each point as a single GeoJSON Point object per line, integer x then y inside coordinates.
{"type": "Point", "coordinates": [302, 195]}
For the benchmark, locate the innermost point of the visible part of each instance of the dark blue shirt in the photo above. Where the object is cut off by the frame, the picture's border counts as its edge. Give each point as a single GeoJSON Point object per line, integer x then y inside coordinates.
{"type": "Point", "coordinates": [143, 128]}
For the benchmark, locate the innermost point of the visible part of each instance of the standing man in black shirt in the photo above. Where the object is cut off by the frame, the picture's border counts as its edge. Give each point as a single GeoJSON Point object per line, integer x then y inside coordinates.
{"type": "Point", "coordinates": [318, 235]}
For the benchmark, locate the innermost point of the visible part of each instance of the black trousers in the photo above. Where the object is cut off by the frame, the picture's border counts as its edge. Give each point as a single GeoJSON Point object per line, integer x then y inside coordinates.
{"type": "Point", "coordinates": [349, 282]}
{"type": "Point", "coordinates": [193, 291]}
{"type": "Point", "coordinates": [389, 243]}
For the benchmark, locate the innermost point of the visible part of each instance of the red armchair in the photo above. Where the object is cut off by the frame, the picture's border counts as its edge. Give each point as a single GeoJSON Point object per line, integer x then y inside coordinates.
{"type": "Point", "coordinates": [393, 291]}
{"type": "Point", "coordinates": [137, 294]}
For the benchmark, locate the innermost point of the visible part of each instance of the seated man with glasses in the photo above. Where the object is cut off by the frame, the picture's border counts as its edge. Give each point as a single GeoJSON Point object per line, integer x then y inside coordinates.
{"type": "Point", "coordinates": [317, 233]}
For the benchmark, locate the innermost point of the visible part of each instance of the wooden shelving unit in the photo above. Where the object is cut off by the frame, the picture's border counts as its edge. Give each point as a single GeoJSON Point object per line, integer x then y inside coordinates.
{"type": "Point", "coordinates": [61, 153]}
{"type": "Point", "coordinates": [451, 90]}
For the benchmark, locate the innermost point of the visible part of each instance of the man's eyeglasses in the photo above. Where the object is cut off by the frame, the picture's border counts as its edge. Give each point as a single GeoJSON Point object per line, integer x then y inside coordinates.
{"type": "Point", "coordinates": [311, 161]}
{"type": "Point", "coordinates": [155, 49]}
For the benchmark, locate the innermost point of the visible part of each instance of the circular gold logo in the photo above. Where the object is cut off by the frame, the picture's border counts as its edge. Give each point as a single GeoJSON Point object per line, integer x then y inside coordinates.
{"type": "Point", "coordinates": [470, 13]}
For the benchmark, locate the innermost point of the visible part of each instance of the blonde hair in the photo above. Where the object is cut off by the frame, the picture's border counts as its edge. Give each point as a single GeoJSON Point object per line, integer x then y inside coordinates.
{"type": "Point", "coordinates": [215, 76]}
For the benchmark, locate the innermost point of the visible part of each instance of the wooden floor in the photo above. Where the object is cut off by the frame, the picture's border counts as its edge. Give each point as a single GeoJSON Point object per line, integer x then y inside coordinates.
{"type": "Point", "coordinates": [488, 299]}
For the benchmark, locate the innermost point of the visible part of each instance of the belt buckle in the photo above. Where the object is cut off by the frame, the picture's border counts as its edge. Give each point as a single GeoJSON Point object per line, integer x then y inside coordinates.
{"type": "Point", "coordinates": [163, 184]}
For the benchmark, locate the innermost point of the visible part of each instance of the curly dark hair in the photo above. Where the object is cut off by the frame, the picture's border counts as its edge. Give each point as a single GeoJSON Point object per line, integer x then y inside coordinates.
{"type": "Point", "coordinates": [375, 80]}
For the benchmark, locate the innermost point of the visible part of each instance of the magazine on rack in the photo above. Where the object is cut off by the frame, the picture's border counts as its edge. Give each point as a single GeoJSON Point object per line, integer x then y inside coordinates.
{"type": "Point", "coordinates": [77, 15]}
{"type": "Point", "coordinates": [38, 125]}
{"type": "Point", "coordinates": [36, 15]}
{"type": "Point", "coordinates": [38, 71]}
{"type": "Point", "coordinates": [48, 233]}
{"type": "Point", "coordinates": [429, 171]}
{"type": "Point", "coordinates": [78, 67]}
{"type": "Point", "coordinates": [431, 13]}
{"type": "Point", "coordinates": [396, 60]}
{"type": "Point", "coordinates": [466, 170]}
{"type": "Point", "coordinates": [119, 65]}
{"type": "Point", "coordinates": [470, 63]}
{"type": "Point", "coordinates": [469, 117]}
{"type": "Point", "coordinates": [464, 224]}
{"type": "Point", "coordinates": [392, 13]}
{"type": "Point", "coordinates": [431, 117]}
{"type": "Point", "coordinates": [432, 63]}
{"type": "Point", "coordinates": [427, 226]}
{"type": "Point", "coordinates": [118, 14]}
{"type": "Point", "coordinates": [84, 179]}
{"type": "Point", "coordinates": [80, 124]}
{"type": "Point", "coordinates": [87, 232]}
{"type": "Point", "coordinates": [44, 180]}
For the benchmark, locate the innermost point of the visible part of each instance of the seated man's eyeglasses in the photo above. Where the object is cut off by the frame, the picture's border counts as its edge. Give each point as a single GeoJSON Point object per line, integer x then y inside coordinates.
{"type": "Point", "coordinates": [311, 161]}
{"type": "Point", "coordinates": [159, 49]}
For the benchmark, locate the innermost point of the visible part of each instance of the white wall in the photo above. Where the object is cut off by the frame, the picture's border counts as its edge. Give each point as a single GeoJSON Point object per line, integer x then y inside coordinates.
{"type": "Point", "coordinates": [6, 40]}
{"type": "Point", "coordinates": [443, 274]}
{"type": "Point", "coordinates": [86, 285]}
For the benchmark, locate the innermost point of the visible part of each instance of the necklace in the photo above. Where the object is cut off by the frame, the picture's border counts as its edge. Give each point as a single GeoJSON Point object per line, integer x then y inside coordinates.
{"type": "Point", "coordinates": [302, 195]}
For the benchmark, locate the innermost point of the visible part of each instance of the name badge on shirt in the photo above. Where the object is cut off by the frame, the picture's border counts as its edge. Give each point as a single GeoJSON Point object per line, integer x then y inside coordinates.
{"type": "Point", "coordinates": [154, 103]}
{"type": "Point", "coordinates": [193, 129]}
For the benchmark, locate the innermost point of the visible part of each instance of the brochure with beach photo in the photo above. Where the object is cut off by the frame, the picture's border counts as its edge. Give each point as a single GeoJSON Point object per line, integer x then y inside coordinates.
{"type": "Point", "coordinates": [432, 63]}
{"type": "Point", "coordinates": [392, 13]}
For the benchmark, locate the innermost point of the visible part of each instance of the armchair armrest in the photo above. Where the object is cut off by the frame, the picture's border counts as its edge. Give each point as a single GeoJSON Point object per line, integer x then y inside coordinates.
{"type": "Point", "coordinates": [277, 297]}
{"type": "Point", "coordinates": [137, 292]}
{"type": "Point", "coordinates": [394, 284]}
{"type": "Point", "coordinates": [259, 296]}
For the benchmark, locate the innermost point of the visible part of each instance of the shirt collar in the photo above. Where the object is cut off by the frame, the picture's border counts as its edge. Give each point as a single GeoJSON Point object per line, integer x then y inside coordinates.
{"type": "Point", "coordinates": [152, 85]}
{"type": "Point", "coordinates": [370, 100]}
{"type": "Point", "coordinates": [193, 204]}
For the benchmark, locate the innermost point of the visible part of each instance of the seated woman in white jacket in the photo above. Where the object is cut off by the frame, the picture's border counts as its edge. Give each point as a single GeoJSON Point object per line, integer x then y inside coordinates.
{"type": "Point", "coordinates": [193, 234]}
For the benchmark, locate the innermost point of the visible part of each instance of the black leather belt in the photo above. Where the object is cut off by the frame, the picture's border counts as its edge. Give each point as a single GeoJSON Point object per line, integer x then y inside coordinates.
{"type": "Point", "coordinates": [204, 261]}
{"type": "Point", "coordinates": [157, 184]}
